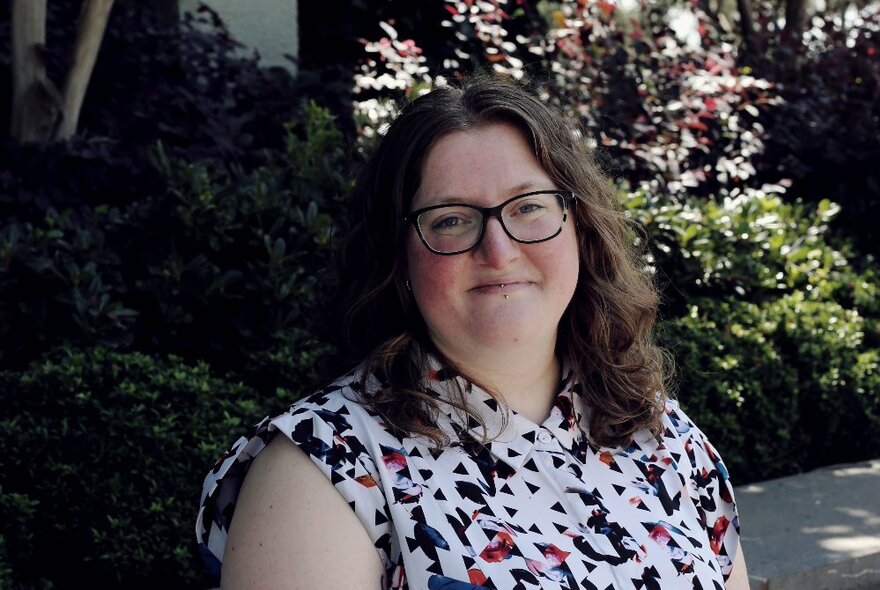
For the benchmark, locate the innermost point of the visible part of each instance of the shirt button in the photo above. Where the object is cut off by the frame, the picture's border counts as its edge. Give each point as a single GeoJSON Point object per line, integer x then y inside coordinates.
{"type": "Point", "coordinates": [545, 437]}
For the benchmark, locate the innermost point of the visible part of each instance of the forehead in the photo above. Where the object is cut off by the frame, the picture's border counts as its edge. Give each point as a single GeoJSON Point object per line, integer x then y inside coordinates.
{"type": "Point", "coordinates": [484, 165]}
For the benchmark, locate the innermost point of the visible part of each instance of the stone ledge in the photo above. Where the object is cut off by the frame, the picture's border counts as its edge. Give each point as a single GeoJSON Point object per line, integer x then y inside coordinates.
{"type": "Point", "coordinates": [814, 531]}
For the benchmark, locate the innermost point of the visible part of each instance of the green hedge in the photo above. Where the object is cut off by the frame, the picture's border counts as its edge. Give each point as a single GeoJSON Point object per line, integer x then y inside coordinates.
{"type": "Point", "coordinates": [139, 341]}
{"type": "Point", "coordinates": [775, 333]}
{"type": "Point", "coordinates": [783, 386]}
{"type": "Point", "coordinates": [102, 455]}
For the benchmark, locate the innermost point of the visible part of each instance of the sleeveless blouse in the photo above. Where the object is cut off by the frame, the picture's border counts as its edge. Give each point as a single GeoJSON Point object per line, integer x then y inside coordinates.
{"type": "Point", "coordinates": [539, 506]}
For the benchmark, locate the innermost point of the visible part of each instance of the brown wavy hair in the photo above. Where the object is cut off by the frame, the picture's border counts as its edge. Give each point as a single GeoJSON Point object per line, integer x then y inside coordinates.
{"type": "Point", "coordinates": [607, 330]}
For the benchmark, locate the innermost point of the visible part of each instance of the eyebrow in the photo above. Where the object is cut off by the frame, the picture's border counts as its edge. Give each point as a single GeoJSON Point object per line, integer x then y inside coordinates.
{"type": "Point", "coordinates": [522, 187]}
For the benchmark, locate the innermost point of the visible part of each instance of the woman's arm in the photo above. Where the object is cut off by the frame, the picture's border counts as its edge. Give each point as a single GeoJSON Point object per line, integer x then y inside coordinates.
{"type": "Point", "coordinates": [739, 577]}
{"type": "Point", "coordinates": [292, 529]}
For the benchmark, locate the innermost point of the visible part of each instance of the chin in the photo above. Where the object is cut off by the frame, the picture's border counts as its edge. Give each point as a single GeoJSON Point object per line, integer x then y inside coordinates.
{"type": "Point", "coordinates": [508, 335]}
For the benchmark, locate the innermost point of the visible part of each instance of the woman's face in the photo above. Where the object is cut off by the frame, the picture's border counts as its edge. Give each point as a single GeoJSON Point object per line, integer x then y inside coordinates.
{"type": "Point", "coordinates": [460, 297]}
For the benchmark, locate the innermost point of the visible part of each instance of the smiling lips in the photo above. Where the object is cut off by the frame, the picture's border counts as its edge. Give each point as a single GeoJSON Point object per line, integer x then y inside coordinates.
{"type": "Point", "coordinates": [503, 288]}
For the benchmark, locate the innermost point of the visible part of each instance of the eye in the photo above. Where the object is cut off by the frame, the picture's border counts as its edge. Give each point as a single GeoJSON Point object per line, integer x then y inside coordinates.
{"type": "Point", "coordinates": [448, 222]}
{"type": "Point", "coordinates": [528, 208]}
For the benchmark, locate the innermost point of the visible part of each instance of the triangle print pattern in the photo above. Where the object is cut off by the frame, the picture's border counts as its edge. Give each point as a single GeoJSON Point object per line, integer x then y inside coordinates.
{"type": "Point", "coordinates": [537, 506]}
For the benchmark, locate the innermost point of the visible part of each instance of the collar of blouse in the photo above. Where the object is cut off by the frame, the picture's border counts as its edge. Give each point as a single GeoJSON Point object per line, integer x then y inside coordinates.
{"type": "Point", "coordinates": [512, 437]}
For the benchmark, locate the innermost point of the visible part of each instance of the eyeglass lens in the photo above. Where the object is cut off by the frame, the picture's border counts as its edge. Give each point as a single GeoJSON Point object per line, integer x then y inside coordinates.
{"type": "Point", "coordinates": [531, 218]}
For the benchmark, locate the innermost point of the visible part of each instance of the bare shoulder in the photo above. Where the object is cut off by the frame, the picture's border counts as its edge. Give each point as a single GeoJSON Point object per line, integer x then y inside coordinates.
{"type": "Point", "coordinates": [291, 528]}
{"type": "Point", "coordinates": [739, 576]}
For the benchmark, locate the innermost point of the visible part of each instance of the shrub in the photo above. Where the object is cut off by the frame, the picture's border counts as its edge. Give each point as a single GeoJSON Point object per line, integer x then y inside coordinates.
{"type": "Point", "coordinates": [775, 333]}
{"type": "Point", "coordinates": [223, 266]}
{"type": "Point", "coordinates": [691, 113]}
{"type": "Point", "coordinates": [664, 110]}
{"type": "Point", "coordinates": [101, 455]}
{"type": "Point", "coordinates": [212, 247]}
{"type": "Point", "coordinates": [825, 132]}
{"type": "Point", "coordinates": [748, 243]}
{"type": "Point", "coordinates": [782, 386]}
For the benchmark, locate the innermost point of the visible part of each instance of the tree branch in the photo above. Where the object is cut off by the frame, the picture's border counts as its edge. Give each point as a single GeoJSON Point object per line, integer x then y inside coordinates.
{"type": "Point", "coordinates": [35, 100]}
{"type": "Point", "coordinates": [89, 35]}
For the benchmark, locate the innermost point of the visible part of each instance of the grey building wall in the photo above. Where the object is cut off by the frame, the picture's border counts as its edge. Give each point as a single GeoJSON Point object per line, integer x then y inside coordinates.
{"type": "Point", "coordinates": [270, 26]}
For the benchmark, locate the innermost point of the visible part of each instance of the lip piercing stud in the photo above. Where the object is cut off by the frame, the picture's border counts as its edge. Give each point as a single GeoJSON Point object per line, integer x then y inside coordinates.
{"type": "Point", "coordinates": [506, 296]}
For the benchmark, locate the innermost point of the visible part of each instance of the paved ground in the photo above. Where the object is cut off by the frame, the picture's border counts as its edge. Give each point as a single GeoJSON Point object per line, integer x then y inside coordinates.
{"type": "Point", "coordinates": [815, 531]}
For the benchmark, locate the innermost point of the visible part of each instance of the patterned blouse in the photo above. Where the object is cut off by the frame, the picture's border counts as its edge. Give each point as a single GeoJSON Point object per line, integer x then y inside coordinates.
{"type": "Point", "coordinates": [539, 506]}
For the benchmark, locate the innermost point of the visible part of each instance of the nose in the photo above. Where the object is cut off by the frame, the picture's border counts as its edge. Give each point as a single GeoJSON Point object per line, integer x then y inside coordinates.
{"type": "Point", "coordinates": [496, 249]}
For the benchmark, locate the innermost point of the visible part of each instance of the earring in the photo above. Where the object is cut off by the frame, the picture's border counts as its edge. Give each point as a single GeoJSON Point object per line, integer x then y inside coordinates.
{"type": "Point", "coordinates": [408, 286]}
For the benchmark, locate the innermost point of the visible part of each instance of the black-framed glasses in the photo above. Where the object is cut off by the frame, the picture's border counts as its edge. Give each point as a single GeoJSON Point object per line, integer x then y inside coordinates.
{"type": "Point", "coordinates": [455, 228]}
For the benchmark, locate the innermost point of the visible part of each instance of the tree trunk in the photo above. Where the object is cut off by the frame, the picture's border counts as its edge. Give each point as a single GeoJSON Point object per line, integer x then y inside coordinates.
{"type": "Point", "coordinates": [792, 37]}
{"type": "Point", "coordinates": [795, 20]}
{"type": "Point", "coordinates": [747, 26]}
{"type": "Point", "coordinates": [89, 34]}
{"type": "Point", "coordinates": [36, 103]}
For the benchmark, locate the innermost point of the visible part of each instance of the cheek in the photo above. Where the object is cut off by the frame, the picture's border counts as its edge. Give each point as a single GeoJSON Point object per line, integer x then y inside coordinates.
{"type": "Point", "coordinates": [565, 269]}
{"type": "Point", "coordinates": [573, 257]}
{"type": "Point", "coordinates": [562, 262]}
{"type": "Point", "coordinates": [418, 265]}
{"type": "Point", "coordinates": [432, 277]}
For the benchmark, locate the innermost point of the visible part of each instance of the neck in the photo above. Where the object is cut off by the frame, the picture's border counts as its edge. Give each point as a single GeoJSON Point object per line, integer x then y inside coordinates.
{"type": "Point", "coordinates": [526, 381]}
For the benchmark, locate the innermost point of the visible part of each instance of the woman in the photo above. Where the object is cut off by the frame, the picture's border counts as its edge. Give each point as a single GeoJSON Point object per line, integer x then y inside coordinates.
{"type": "Point", "coordinates": [508, 426]}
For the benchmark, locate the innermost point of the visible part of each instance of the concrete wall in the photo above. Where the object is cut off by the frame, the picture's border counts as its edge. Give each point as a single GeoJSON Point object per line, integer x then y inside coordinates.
{"type": "Point", "coordinates": [270, 26]}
